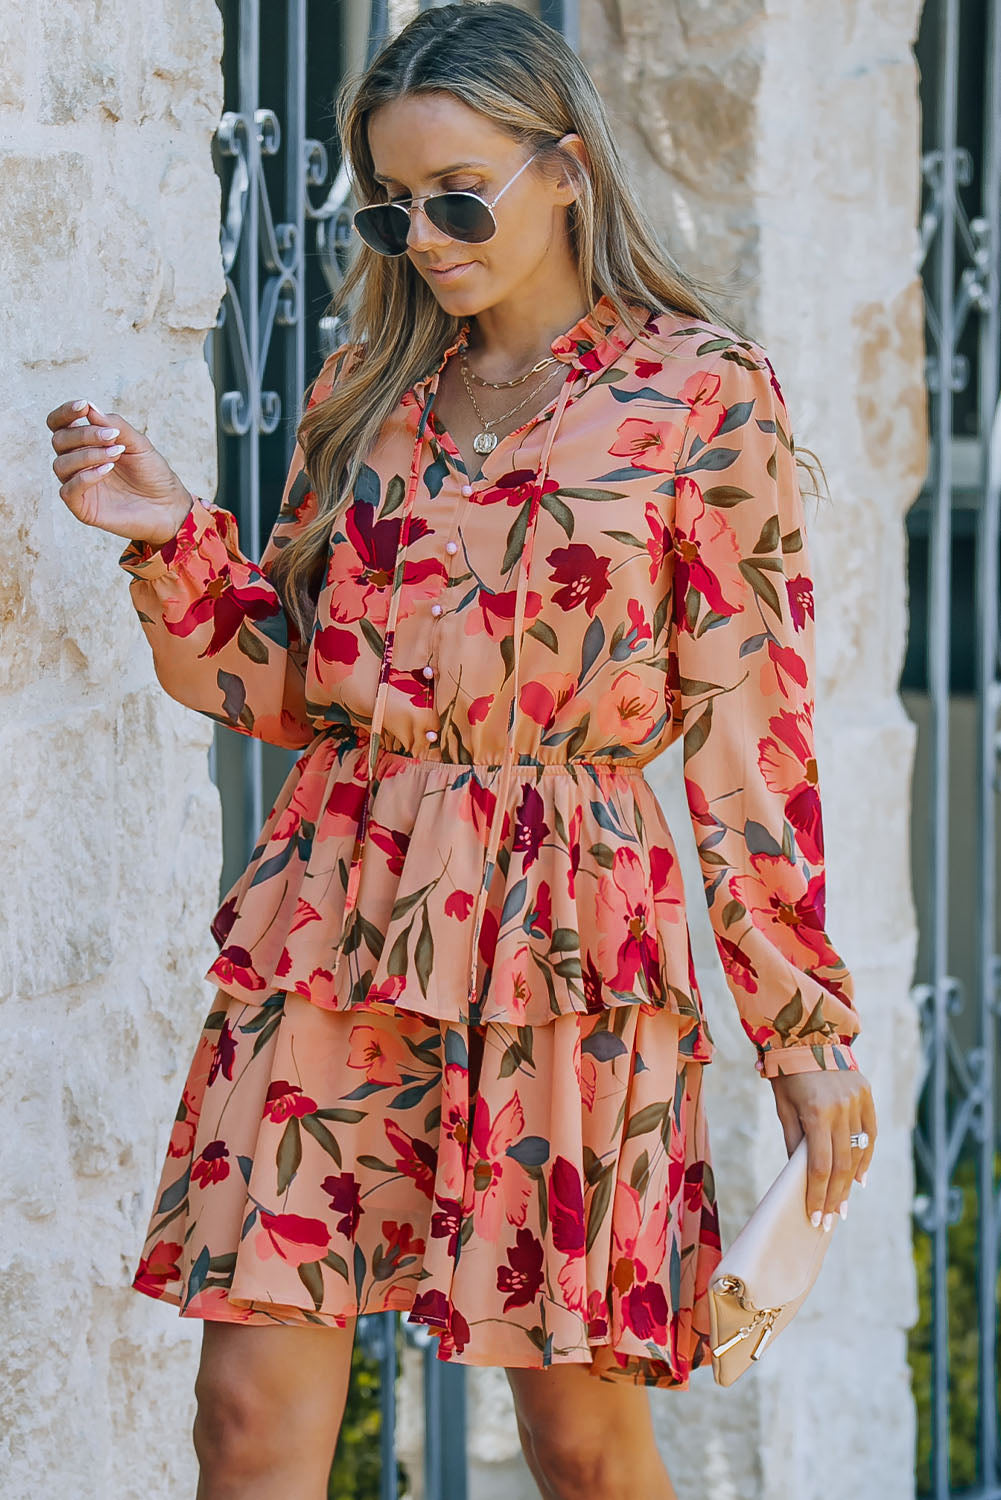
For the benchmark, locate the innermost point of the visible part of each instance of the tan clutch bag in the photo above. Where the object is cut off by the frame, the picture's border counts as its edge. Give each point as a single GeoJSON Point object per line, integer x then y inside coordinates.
{"type": "Point", "coordinates": [766, 1273]}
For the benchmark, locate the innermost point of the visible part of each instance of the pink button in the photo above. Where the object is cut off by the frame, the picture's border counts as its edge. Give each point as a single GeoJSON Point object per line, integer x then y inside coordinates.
{"type": "Point", "coordinates": [436, 609]}
{"type": "Point", "coordinates": [429, 671]}
{"type": "Point", "coordinates": [467, 489]}
{"type": "Point", "coordinates": [451, 546]}
{"type": "Point", "coordinates": [431, 734]}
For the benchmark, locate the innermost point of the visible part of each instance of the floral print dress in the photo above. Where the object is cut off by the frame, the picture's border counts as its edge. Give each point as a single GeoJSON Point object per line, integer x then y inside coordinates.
{"type": "Point", "coordinates": [454, 1065]}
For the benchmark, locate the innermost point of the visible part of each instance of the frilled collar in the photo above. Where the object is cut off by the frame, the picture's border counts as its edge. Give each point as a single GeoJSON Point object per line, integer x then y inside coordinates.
{"type": "Point", "coordinates": [593, 343]}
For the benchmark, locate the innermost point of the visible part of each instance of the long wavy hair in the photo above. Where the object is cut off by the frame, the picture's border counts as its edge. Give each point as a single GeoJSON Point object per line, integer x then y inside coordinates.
{"type": "Point", "coordinates": [522, 75]}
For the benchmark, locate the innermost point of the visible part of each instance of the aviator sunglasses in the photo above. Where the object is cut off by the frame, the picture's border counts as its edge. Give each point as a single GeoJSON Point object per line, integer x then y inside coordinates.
{"type": "Point", "coordinates": [385, 227]}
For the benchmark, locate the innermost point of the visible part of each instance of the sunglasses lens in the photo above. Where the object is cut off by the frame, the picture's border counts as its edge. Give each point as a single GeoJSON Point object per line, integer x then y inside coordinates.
{"type": "Point", "coordinates": [461, 216]}
{"type": "Point", "coordinates": [384, 227]}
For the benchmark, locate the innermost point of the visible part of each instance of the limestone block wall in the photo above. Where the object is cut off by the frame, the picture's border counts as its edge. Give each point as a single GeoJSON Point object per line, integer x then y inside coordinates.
{"type": "Point", "coordinates": [779, 149]}
{"type": "Point", "coordinates": [109, 279]}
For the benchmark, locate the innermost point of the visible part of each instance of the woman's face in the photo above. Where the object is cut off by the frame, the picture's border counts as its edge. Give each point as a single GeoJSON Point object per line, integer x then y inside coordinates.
{"type": "Point", "coordinates": [433, 143]}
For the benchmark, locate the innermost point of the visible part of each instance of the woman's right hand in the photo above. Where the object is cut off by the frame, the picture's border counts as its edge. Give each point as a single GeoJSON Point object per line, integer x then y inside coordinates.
{"type": "Point", "coordinates": [111, 476]}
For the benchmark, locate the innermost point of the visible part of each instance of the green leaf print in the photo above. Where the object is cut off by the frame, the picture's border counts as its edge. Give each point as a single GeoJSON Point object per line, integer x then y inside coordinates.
{"type": "Point", "coordinates": [789, 1016]}
{"type": "Point", "coordinates": [646, 1119]}
{"type": "Point", "coordinates": [312, 1279]}
{"type": "Point", "coordinates": [424, 953]}
{"type": "Point", "coordinates": [516, 538]}
{"type": "Point", "coordinates": [251, 645]}
{"type": "Point", "coordinates": [322, 1135]}
{"type": "Point", "coordinates": [289, 1154]}
{"type": "Point", "coordinates": [559, 512]}
{"type": "Point", "coordinates": [601, 1197]}
{"type": "Point", "coordinates": [725, 496]}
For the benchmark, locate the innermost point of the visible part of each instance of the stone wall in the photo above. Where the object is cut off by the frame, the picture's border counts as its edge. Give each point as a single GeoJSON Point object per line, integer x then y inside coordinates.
{"type": "Point", "coordinates": [109, 278]}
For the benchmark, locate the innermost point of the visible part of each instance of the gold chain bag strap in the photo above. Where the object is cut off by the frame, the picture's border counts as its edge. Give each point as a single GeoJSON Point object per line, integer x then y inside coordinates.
{"type": "Point", "coordinates": [766, 1274]}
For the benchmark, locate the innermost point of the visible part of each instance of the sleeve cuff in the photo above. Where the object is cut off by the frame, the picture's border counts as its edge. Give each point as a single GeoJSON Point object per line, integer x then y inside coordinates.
{"type": "Point", "coordinates": [147, 562]}
{"type": "Point", "coordinates": [779, 1062]}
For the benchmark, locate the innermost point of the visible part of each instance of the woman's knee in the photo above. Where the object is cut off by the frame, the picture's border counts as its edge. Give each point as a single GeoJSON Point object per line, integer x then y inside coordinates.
{"type": "Point", "coordinates": [574, 1464]}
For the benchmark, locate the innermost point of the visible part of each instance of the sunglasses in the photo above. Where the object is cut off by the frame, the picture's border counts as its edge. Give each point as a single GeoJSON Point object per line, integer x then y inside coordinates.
{"type": "Point", "coordinates": [385, 227]}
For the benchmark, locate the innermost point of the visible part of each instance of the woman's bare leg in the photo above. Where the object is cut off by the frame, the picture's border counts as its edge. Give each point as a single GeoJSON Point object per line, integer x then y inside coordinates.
{"type": "Point", "coordinates": [587, 1439]}
{"type": "Point", "coordinates": [270, 1403]}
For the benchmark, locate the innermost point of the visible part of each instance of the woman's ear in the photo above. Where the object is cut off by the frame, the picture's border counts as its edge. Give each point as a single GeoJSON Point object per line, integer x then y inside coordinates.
{"type": "Point", "coordinates": [567, 186]}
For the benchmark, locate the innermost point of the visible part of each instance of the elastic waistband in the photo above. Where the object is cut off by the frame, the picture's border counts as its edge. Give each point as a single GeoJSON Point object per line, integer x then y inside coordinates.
{"type": "Point", "coordinates": [605, 763]}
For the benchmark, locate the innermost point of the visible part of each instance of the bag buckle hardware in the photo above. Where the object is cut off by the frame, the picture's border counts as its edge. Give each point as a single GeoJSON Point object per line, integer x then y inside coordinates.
{"type": "Point", "coordinates": [764, 1316]}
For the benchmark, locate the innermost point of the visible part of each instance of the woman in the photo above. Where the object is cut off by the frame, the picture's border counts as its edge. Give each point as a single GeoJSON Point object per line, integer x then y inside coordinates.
{"type": "Point", "coordinates": [543, 520]}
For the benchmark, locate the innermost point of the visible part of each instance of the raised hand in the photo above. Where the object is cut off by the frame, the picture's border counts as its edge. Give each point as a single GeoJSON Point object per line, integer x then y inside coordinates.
{"type": "Point", "coordinates": [112, 477]}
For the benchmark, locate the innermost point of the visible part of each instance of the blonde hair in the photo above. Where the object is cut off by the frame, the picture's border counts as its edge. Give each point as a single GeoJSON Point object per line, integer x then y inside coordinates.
{"type": "Point", "coordinates": [522, 75]}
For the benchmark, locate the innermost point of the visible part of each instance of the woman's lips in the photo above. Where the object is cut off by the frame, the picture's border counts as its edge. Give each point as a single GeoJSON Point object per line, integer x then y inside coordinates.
{"type": "Point", "coordinates": [448, 274]}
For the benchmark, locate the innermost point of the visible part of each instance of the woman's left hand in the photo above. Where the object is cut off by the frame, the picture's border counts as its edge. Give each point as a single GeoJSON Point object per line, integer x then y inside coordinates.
{"type": "Point", "coordinates": [827, 1108]}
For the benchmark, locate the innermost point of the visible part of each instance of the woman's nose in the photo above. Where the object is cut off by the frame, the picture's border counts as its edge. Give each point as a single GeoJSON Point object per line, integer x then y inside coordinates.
{"type": "Point", "coordinates": [422, 232]}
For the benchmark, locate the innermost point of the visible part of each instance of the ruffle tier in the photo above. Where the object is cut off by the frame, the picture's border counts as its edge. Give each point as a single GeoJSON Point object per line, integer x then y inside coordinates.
{"type": "Point", "coordinates": [533, 1196]}
{"type": "Point", "coordinates": [585, 911]}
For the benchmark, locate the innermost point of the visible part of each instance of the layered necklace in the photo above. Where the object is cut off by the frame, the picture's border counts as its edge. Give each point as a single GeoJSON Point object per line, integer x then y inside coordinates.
{"type": "Point", "coordinates": [485, 441]}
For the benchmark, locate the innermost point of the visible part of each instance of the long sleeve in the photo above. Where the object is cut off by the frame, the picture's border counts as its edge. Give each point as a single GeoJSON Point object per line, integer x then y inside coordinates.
{"type": "Point", "coordinates": [222, 642]}
{"type": "Point", "coordinates": [742, 680]}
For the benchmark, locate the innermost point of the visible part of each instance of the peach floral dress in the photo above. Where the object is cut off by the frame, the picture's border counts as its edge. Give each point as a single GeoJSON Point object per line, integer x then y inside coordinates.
{"type": "Point", "coordinates": [454, 1065]}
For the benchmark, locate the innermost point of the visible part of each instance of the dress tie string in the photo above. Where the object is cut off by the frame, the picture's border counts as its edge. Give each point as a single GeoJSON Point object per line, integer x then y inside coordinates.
{"type": "Point", "coordinates": [507, 766]}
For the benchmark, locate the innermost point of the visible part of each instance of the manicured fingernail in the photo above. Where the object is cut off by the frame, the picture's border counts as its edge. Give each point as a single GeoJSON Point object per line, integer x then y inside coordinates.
{"type": "Point", "coordinates": [843, 1210]}
{"type": "Point", "coordinates": [815, 1218]}
{"type": "Point", "coordinates": [116, 450]}
{"type": "Point", "coordinates": [861, 1181]}
{"type": "Point", "coordinates": [103, 469]}
{"type": "Point", "coordinates": [79, 406]}
{"type": "Point", "coordinates": [828, 1221]}
{"type": "Point", "coordinates": [81, 422]}
{"type": "Point", "coordinates": [107, 433]}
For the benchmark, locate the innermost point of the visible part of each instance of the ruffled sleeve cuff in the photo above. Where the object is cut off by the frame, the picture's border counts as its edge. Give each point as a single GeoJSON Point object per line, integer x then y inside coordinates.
{"type": "Point", "coordinates": [145, 561]}
{"type": "Point", "coordinates": [829, 1057]}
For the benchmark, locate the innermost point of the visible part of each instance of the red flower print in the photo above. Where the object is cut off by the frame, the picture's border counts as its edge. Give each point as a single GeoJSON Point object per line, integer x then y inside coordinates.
{"type": "Point", "coordinates": [668, 893]}
{"type": "Point", "coordinates": [224, 1055]}
{"type": "Point", "coordinates": [800, 592]}
{"type": "Point", "coordinates": [573, 849]}
{"type": "Point", "coordinates": [345, 1198]}
{"type": "Point", "coordinates": [447, 1222]}
{"type": "Point", "coordinates": [541, 917]}
{"type": "Point", "coordinates": [708, 535]}
{"type": "Point", "coordinates": [783, 665]}
{"type": "Point", "coordinates": [319, 988]}
{"type": "Point", "coordinates": [459, 904]}
{"type": "Point", "coordinates": [233, 966]}
{"type": "Point", "coordinates": [788, 908]}
{"type": "Point", "coordinates": [222, 922]}
{"type": "Point", "coordinates": [788, 766]}
{"type": "Point", "coordinates": [645, 368]}
{"type": "Point", "coordinates": [659, 542]}
{"type": "Point", "coordinates": [415, 1158]}
{"type": "Point", "coordinates": [530, 827]}
{"type": "Point", "coordinates": [624, 912]}
{"type": "Point", "coordinates": [593, 985]}
{"type": "Point", "coordinates": [413, 685]}
{"type": "Point", "coordinates": [402, 1248]}
{"type": "Point", "coordinates": [499, 1187]}
{"type": "Point", "coordinates": [521, 1278]}
{"type": "Point", "coordinates": [292, 1238]}
{"type": "Point", "coordinates": [597, 1317]}
{"type": "Point", "coordinates": [379, 1051]}
{"type": "Point", "coordinates": [706, 414]}
{"type": "Point", "coordinates": [335, 652]}
{"type": "Point", "coordinates": [738, 966]}
{"type": "Point", "coordinates": [433, 1308]}
{"type": "Point", "coordinates": [582, 574]}
{"type": "Point", "coordinates": [698, 806]}
{"type": "Point", "coordinates": [211, 1166]}
{"type": "Point", "coordinates": [489, 928]}
{"type": "Point", "coordinates": [645, 1311]}
{"type": "Point", "coordinates": [359, 582]}
{"type": "Point", "coordinates": [649, 444]}
{"type": "Point", "coordinates": [546, 696]}
{"type": "Point", "coordinates": [566, 1207]}
{"type": "Point", "coordinates": [627, 712]}
{"type": "Point", "coordinates": [285, 1100]}
{"type": "Point", "coordinates": [343, 809]}
{"type": "Point", "coordinates": [477, 807]}
{"type": "Point", "coordinates": [639, 631]}
{"type": "Point", "coordinates": [303, 915]}
{"type": "Point", "coordinates": [229, 599]}
{"type": "Point", "coordinates": [479, 708]}
{"type": "Point", "coordinates": [160, 1266]}
{"type": "Point", "coordinates": [514, 488]}
{"type": "Point", "coordinates": [496, 613]}
{"type": "Point", "coordinates": [393, 843]}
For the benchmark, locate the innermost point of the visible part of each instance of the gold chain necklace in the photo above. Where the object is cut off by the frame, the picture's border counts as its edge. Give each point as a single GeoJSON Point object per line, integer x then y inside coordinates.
{"type": "Point", "coordinates": [499, 385]}
{"type": "Point", "coordinates": [486, 441]}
